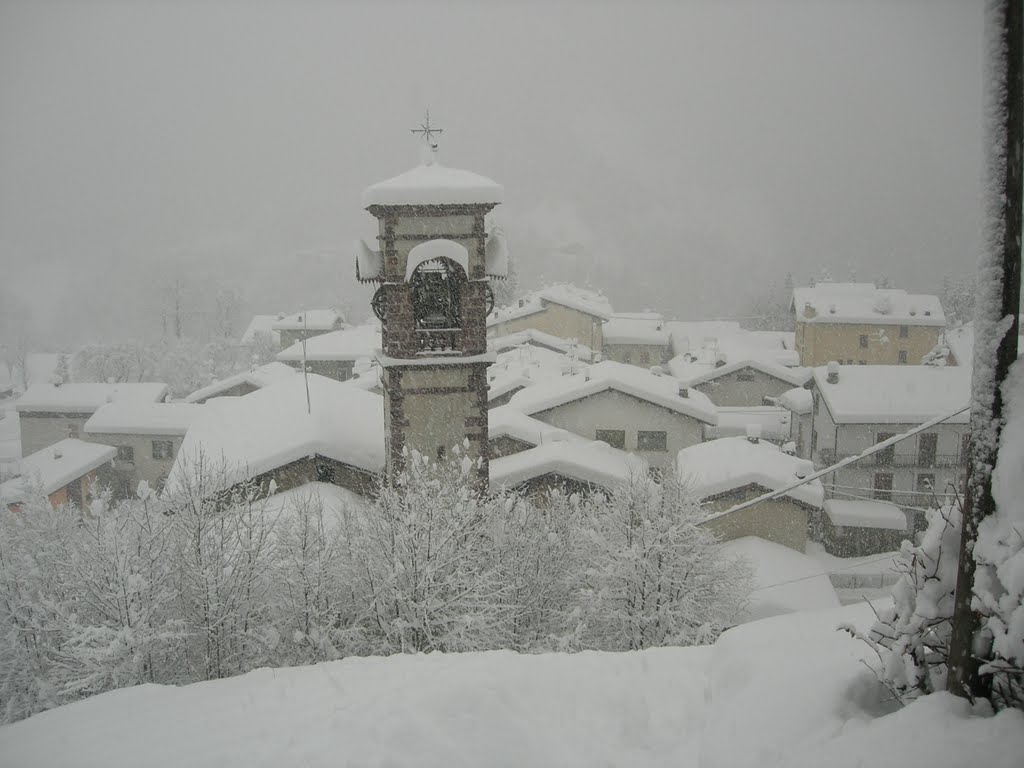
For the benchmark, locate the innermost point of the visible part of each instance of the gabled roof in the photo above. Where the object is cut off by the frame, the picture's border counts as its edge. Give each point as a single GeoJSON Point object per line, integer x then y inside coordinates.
{"type": "Point", "coordinates": [864, 303]}
{"type": "Point", "coordinates": [506, 421]}
{"type": "Point", "coordinates": [584, 300]}
{"type": "Point", "coordinates": [525, 366]}
{"type": "Point", "coordinates": [271, 427]}
{"type": "Point", "coordinates": [533, 337]}
{"type": "Point", "coordinates": [347, 344]}
{"type": "Point", "coordinates": [142, 418]}
{"type": "Point", "coordinates": [705, 343]}
{"type": "Point", "coordinates": [729, 463]}
{"type": "Point", "coordinates": [85, 398]}
{"type": "Point", "coordinates": [54, 467]}
{"type": "Point", "coordinates": [895, 394]}
{"type": "Point", "coordinates": [310, 320]}
{"type": "Point", "coordinates": [636, 328]}
{"type": "Point", "coordinates": [795, 376]}
{"type": "Point", "coordinates": [433, 184]}
{"type": "Point", "coordinates": [865, 513]}
{"type": "Point", "coordinates": [587, 461]}
{"type": "Point", "coordinates": [261, 324]}
{"type": "Point", "coordinates": [798, 400]}
{"type": "Point", "coordinates": [609, 375]}
{"type": "Point", "coordinates": [257, 378]}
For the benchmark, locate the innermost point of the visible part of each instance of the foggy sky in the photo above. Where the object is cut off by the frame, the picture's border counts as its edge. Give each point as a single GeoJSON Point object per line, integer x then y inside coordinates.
{"type": "Point", "coordinates": [677, 155]}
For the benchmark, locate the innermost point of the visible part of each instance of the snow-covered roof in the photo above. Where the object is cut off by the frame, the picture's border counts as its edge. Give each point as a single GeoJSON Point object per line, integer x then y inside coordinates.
{"type": "Point", "coordinates": [271, 427]}
{"type": "Point", "coordinates": [533, 337]}
{"type": "Point", "coordinates": [260, 324]}
{"type": "Point", "coordinates": [525, 366]}
{"type": "Point", "coordinates": [584, 300]}
{"type": "Point", "coordinates": [864, 513]}
{"type": "Point", "coordinates": [771, 422]}
{"type": "Point", "coordinates": [336, 501]}
{"type": "Point", "coordinates": [143, 418]}
{"type": "Point", "coordinates": [636, 328]}
{"type": "Point", "coordinates": [496, 253]}
{"type": "Point", "coordinates": [700, 345]}
{"type": "Point", "coordinates": [369, 262]}
{"type": "Point", "coordinates": [798, 400]}
{"type": "Point", "coordinates": [347, 344]}
{"type": "Point", "coordinates": [86, 398]}
{"type": "Point", "coordinates": [310, 320]}
{"type": "Point", "coordinates": [434, 184]}
{"type": "Point", "coordinates": [505, 421]}
{"type": "Point", "coordinates": [55, 466]}
{"type": "Point", "coordinates": [258, 377]}
{"type": "Point", "coordinates": [895, 394]}
{"type": "Point", "coordinates": [723, 465]}
{"type": "Point", "coordinates": [610, 375]}
{"type": "Point", "coordinates": [864, 303]}
{"type": "Point", "coordinates": [587, 461]}
{"type": "Point", "coordinates": [795, 376]}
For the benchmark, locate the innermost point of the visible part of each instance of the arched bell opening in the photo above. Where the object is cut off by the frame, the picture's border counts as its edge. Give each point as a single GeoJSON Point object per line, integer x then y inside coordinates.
{"type": "Point", "coordinates": [437, 293]}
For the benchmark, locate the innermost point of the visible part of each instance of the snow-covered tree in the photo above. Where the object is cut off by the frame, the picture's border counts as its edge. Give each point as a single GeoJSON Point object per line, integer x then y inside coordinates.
{"type": "Point", "coordinates": [653, 575]}
{"type": "Point", "coordinates": [958, 300]}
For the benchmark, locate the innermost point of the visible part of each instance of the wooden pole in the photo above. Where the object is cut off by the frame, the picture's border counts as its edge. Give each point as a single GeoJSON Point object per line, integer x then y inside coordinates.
{"type": "Point", "coordinates": [998, 290]}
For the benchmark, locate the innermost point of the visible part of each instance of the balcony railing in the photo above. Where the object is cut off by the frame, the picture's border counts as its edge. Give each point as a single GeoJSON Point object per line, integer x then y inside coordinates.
{"type": "Point", "coordinates": [438, 341]}
{"type": "Point", "coordinates": [829, 457]}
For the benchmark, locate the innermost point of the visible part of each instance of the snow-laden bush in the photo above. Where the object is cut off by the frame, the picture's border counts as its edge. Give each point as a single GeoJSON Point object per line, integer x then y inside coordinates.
{"type": "Point", "coordinates": [912, 637]}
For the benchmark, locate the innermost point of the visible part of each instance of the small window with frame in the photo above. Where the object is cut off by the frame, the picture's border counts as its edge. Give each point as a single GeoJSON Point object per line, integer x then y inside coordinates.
{"type": "Point", "coordinates": [651, 440]}
{"type": "Point", "coordinates": [163, 449]}
{"type": "Point", "coordinates": [616, 438]}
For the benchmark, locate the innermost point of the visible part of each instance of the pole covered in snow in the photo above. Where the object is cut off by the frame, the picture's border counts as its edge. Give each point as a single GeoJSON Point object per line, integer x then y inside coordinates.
{"type": "Point", "coordinates": [996, 323]}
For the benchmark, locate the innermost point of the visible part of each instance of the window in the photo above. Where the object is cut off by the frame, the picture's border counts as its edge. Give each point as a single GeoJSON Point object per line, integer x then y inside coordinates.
{"type": "Point", "coordinates": [72, 430]}
{"type": "Point", "coordinates": [862, 362]}
{"type": "Point", "coordinates": [163, 449]}
{"type": "Point", "coordinates": [437, 287]}
{"type": "Point", "coordinates": [125, 453]}
{"type": "Point", "coordinates": [744, 377]}
{"type": "Point", "coordinates": [651, 441]}
{"type": "Point", "coordinates": [902, 359]}
{"type": "Point", "coordinates": [883, 486]}
{"type": "Point", "coordinates": [863, 341]}
{"type": "Point", "coordinates": [904, 332]}
{"type": "Point", "coordinates": [927, 449]}
{"type": "Point", "coordinates": [925, 482]}
{"type": "Point", "coordinates": [627, 358]}
{"type": "Point", "coordinates": [886, 456]}
{"type": "Point", "coordinates": [324, 472]}
{"type": "Point", "coordinates": [616, 438]}
{"type": "Point", "coordinates": [645, 357]}
{"type": "Point", "coordinates": [849, 362]}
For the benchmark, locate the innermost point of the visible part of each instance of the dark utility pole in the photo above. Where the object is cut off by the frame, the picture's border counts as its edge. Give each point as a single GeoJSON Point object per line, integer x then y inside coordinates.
{"type": "Point", "coordinates": [999, 300]}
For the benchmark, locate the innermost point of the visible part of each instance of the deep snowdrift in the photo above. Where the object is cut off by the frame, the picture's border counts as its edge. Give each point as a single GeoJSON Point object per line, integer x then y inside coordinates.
{"type": "Point", "coordinates": [786, 691]}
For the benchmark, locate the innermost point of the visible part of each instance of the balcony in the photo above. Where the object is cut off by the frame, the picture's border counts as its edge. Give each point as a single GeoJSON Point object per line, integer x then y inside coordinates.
{"type": "Point", "coordinates": [829, 457]}
{"type": "Point", "coordinates": [438, 341]}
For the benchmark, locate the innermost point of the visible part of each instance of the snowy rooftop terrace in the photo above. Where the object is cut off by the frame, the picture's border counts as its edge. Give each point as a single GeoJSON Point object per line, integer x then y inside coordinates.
{"type": "Point", "coordinates": [864, 303]}
{"type": "Point", "coordinates": [143, 418]}
{"type": "Point", "coordinates": [347, 344]}
{"type": "Point", "coordinates": [54, 467]}
{"type": "Point", "coordinates": [610, 375]}
{"type": "Point", "coordinates": [85, 398]}
{"type": "Point", "coordinates": [257, 377]}
{"type": "Point", "coordinates": [895, 394]}
{"type": "Point", "coordinates": [729, 463]}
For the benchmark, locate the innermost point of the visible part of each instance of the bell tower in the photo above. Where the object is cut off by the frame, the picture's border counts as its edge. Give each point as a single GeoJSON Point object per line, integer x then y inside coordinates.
{"type": "Point", "coordinates": [432, 267]}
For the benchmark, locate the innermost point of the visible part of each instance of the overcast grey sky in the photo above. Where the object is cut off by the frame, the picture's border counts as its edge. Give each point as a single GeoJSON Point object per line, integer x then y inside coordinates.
{"type": "Point", "coordinates": [685, 152]}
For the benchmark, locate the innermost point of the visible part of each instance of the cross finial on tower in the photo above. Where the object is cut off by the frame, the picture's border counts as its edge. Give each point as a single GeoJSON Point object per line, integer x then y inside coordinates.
{"type": "Point", "coordinates": [427, 131]}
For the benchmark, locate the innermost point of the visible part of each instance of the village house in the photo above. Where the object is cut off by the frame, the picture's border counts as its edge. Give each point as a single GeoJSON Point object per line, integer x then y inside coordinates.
{"type": "Point", "coordinates": [335, 354]}
{"type": "Point", "coordinates": [636, 338]}
{"type": "Point", "coordinates": [566, 466]}
{"type": "Point", "coordinates": [857, 407]}
{"type": "Point", "coordinates": [242, 383]}
{"type": "Point", "coordinates": [63, 473]}
{"type": "Point", "coordinates": [146, 436]}
{"type": "Point", "coordinates": [560, 310]}
{"type": "Point", "coordinates": [331, 432]}
{"type": "Point", "coordinates": [732, 470]}
{"type": "Point", "coordinates": [858, 527]}
{"type": "Point", "coordinates": [625, 406]}
{"type": "Point", "coordinates": [745, 383]}
{"type": "Point", "coordinates": [859, 324]}
{"type": "Point", "coordinates": [49, 413]}
{"type": "Point", "coordinates": [541, 340]}
{"type": "Point", "coordinates": [306, 325]}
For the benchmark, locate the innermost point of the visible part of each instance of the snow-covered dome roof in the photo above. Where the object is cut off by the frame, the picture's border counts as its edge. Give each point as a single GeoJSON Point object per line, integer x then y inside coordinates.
{"type": "Point", "coordinates": [434, 184]}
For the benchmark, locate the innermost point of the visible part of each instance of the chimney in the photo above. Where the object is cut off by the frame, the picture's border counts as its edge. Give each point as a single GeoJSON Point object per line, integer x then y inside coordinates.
{"type": "Point", "coordinates": [803, 469]}
{"type": "Point", "coordinates": [754, 433]}
{"type": "Point", "coordinates": [684, 391]}
{"type": "Point", "coordinates": [809, 310]}
{"type": "Point", "coordinates": [522, 302]}
{"type": "Point", "coordinates": [833, 373]}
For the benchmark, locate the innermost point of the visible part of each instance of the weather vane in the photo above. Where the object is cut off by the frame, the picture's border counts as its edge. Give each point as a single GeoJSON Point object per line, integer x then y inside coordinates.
{"type": "Point", "coordinates": [427, 131]}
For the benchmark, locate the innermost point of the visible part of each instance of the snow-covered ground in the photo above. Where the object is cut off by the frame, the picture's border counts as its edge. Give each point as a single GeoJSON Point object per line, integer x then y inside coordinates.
{"type": "Point", "coordinates": [786, 691]}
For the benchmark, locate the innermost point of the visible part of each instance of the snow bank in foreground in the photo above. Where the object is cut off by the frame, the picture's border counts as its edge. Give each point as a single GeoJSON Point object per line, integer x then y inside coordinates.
{"type": "Point", "coordinates": [787, 691]}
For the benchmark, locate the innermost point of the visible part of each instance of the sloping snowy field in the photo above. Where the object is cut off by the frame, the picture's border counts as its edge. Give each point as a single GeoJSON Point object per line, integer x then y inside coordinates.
{"type": "Point", "coordinates": [785, 691]}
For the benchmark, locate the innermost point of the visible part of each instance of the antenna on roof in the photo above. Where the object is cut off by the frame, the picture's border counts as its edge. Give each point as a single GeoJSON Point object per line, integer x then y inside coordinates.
{"type": "Point", "coordinates": [305, 371]}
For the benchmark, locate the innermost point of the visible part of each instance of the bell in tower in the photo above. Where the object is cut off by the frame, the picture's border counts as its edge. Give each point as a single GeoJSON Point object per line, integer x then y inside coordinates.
{"type": "Point", "coordinates": [432, 267]}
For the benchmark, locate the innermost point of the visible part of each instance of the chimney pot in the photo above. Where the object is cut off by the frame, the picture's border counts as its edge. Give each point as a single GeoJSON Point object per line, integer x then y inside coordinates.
{"type": "Point", "coordinates": [833, 373]}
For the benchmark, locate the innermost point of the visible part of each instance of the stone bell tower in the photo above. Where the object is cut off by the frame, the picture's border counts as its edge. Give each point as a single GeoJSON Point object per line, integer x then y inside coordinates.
{"type": "Point", "coordinates": [432, 268]}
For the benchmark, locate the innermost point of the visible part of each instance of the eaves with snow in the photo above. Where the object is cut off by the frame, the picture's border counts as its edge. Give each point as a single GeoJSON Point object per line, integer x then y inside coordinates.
{"type": "Point", "coordinates": [894, 394]}
{"type": "Point", "coordinates": [85, 398]}
{"type": "Point", "coordinates": [585, 300]}
{"type": "Point", "coordinates": [257, 378]}
{"type": "Point", "coordinates": [127, 418]}
{"type": "Point", "coordinates": [863, 303]}
{"type": "Point", "coordinates": [344, 345]}
{"type": "Point", "coordinates": [54, 467]}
